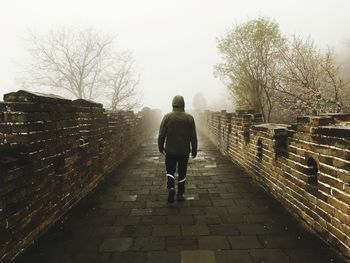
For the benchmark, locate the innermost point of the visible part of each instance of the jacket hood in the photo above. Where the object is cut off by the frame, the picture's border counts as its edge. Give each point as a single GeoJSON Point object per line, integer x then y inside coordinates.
{"type": "Point", "coordinates": [178, 102]}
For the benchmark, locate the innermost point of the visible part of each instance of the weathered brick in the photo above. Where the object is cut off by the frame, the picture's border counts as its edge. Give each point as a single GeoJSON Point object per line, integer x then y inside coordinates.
{"type": "Point", "coordinates": [45, 168]}
{"type": "Point", "coordinates": [322, 203]}
{"type": "Point", "coordinates": [341, 196]}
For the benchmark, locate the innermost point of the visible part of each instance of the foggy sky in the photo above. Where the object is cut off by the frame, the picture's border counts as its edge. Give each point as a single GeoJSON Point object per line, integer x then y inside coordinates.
{"type": "Point", "coordinates": [173, 42]}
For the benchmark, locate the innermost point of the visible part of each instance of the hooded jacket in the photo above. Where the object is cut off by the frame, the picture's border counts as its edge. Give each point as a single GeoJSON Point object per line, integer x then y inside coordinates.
{"type": "Point", "coordinates": [178, 130]}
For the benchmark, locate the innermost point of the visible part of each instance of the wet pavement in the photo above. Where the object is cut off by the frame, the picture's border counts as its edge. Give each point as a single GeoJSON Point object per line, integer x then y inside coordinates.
{"type": "Point", "coordinates": [224, 218]}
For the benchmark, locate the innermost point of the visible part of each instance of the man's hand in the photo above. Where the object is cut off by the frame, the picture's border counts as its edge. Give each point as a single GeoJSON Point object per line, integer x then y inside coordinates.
{"type": "Point", "coordinates": [194, 155]}
{"type": "Point", "coordinates": [161, 150]}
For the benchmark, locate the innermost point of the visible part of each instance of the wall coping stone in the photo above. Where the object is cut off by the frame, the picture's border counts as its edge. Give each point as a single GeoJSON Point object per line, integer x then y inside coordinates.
{"type": "Point", "coordinates": [333, 131]}
{"type": "Point", "coordinates": [87, 103]}
{"type": "Point", "coordinates": [272, 128]}
{"type": "Point", "coordinates": [29, 96]}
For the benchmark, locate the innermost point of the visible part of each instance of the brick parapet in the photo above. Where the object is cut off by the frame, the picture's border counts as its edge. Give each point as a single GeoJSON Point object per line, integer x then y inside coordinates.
{"type": "Point", "coordinates": [306, 165]}
{"type": "Point", "coordinates": [53, 152]}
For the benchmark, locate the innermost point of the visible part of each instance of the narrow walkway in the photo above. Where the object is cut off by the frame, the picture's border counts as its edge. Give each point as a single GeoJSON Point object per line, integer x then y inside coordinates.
{"type": "Point", "coordinates": [225, 218]}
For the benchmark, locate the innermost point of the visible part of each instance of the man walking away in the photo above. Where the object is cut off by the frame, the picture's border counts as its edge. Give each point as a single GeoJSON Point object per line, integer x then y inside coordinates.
{"type": "Point", "coordinates": [178, 131]}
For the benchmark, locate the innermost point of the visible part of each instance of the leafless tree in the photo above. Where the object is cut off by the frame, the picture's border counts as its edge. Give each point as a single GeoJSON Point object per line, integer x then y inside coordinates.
{"type": "Point", "coordinates": [70, 60]}
{"type": "Point", "coordinates": [84, 64]}
{"type": "Point", "coordinates": [308, 81]}
{"type": "Point", "coordinates": [342, 58]}
{"type": "Point", "coordinates": [122, 83]}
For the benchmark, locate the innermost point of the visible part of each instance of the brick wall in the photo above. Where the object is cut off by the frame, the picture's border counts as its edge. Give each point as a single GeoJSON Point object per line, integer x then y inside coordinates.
{"type": "Point", "coordinates": [306, 165]}
{"type": "Point", "coordinates": [53, 152]}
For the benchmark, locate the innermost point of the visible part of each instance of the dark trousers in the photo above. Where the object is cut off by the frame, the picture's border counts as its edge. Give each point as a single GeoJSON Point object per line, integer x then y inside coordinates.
{"type": "Point", "coordinates": [170, 164]}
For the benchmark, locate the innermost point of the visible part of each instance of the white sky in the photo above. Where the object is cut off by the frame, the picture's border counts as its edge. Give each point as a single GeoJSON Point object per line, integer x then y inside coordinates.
{"type": "Point", "coordinates": [174, 42]}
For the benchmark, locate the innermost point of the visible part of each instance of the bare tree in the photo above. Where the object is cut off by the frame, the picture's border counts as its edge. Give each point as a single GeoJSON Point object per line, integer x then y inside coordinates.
{"type": "Point", "coordinates": [342, 58]}
{"type": "Point", "coordinates": [308, 81]}
{"type": "Point", "coordinates": [84, 64]}
{"type": "Point", "coordinates": [122, 83]}
{"type": "Point", "coordinates": [335, 84]}
{"type": "Point", "coordinates": [69, 60]}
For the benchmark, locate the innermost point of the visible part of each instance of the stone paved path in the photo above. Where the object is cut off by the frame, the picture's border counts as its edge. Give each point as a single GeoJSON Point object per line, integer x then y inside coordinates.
{"type": "Point", "coordinates": [225, 218]}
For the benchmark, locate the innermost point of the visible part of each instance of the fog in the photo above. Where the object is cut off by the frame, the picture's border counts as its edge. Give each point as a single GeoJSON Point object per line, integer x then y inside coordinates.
{"type": "Point", "coordinates": [173, 42]}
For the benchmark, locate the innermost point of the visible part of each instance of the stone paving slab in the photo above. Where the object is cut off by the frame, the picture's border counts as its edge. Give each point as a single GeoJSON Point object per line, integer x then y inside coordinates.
{"type": "Point", "coordinates": [225, 218]}
{"type": "Point", "coordinates": [194, 256]}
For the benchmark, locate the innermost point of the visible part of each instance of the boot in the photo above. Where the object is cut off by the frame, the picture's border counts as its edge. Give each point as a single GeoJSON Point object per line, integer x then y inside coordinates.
{"type": "Point", "coordinates": [171, 195]}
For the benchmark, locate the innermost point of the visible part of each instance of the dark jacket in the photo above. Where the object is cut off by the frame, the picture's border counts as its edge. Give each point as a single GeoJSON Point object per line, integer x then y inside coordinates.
{"type": "Point", "coordinates": [178, 131]}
